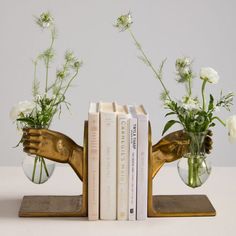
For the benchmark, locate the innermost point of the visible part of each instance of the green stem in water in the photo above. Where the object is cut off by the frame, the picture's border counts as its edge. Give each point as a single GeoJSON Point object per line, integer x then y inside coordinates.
{"type": "Point", "coordinates": [203, 95]}
{"type": "Point", "coordinates": [45, 167]}
{"type": "Point", "coordinates": [34, 170]}
{"type": "Point", "coordinates": [41, 170]}
{"type": "Point", "coordinates": [190, 172]}
{"type": "Point", "coordinates": [149, 63]}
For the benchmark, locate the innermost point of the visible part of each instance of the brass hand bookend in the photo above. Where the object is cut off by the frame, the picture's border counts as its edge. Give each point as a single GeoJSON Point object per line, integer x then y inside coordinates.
{"type": "Point", "coordinates": [168, 149]}
{"type": "Point", "coordinates": [60, 148]}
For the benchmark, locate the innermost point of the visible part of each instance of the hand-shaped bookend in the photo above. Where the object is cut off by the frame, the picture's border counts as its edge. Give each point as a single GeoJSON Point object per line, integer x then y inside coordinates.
{"type": "Point", "coordinates": [60, 148]}
{"type": "Point", "coordinates": [168, 149]}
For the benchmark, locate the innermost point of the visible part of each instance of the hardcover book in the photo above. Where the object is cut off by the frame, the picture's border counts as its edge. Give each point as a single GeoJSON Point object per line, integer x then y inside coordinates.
{"type": "Point", "coordinates": [122, 161]}
{"type": "Point", "coordinates": [132, 164]}
{"type": "Point", "coordinates": [142, 165]}
{"type": "Point", "coordinates": [107, 161]}
{"type": "Point", "coordinates": [93, 162]}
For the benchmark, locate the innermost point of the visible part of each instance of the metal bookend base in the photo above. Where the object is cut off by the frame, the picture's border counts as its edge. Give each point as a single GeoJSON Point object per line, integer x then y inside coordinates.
{"type": "Point", "coordinates": [181, 206]}
{"type": "Point", "coordinates": [49, 206]}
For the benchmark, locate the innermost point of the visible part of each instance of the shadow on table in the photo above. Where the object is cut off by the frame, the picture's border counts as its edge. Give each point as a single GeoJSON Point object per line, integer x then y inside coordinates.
{"type": "Point", "coordinates": [9, 208]}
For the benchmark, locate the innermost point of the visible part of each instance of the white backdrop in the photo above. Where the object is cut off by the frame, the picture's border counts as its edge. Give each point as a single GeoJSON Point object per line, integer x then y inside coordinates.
{"type": "Point", "coordinates": [204, 30]}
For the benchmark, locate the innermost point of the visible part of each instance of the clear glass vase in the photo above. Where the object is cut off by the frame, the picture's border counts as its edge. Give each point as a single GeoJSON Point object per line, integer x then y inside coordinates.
{"type": "Point", "coordinates": [194, 167]}
{"type": "Point", "coordinates": [38, 169]}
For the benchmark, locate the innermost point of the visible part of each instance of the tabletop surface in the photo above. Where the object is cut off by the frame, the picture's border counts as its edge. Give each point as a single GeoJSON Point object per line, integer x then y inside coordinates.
{"type": "Point", "coordinates": [220, 189]}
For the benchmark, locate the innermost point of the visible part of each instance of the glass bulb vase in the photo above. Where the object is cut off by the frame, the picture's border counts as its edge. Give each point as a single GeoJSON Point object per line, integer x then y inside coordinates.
{"type": "Point", "coordinates": [194, 167]}
{"type": "Point", "coordinates": [38, 169]}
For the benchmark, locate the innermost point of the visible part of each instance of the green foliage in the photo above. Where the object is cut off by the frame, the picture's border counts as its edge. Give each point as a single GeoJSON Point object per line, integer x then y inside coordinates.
{"type": "Point", "coordinates": [188, 111]}
{"type": "Point", "coordinates": [50, 102]}
{"type": "Point", "coordinates": [169, 124]}
{"type": "Point", "coordinates": [225, 101]}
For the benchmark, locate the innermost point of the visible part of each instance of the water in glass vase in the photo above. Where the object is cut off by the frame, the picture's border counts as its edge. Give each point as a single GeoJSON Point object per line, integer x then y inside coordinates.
{"type": "Point", "coordinates": [194, 167]}
{"type": "Point", "coordinates": [38, 169]}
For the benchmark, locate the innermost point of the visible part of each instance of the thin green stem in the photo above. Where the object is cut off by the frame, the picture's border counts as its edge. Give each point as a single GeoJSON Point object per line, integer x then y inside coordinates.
{"type": "Point", "coordinates": [35, 79]}
{"type": "Point", "coordinates": [61, 82]}
{"type": "Point", "coordinates": [48, 60]}
{"type": "Point", "coordinates": [41, 170]}
{"type": "Point", "coordinates": [45, 167]}
{"type": "Point", "coordinates": [189, 87]}
{"type": "Point", "coordinates": [34, 170]}
{"type": "Point", "coordinates": [217, 118]}
{"type": "Point", "coordinates": [149, 63]}
{"type": "Point", "coordinates": [203, 95]}
{"type": "Point", "coordinates": [190, 172]}
{"type": "Point", "coordinates": [68, 85]}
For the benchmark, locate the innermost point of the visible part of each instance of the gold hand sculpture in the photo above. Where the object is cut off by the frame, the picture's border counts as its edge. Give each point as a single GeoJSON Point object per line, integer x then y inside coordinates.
{"type": "Point", "coordinates": [172, 147]}
{"type": "Point", "coordinates": [54, 146]}
{"type": "Point", "coordinates": [60, 148]}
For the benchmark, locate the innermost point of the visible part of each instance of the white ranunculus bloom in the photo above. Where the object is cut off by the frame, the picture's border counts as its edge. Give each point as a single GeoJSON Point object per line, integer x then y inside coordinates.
{"type": "Point", "coordinates": [23, 107]}
{"type": "Point", "coordinates": [231, 125]}
{"type": "Point", "coordinates": [209, 74]}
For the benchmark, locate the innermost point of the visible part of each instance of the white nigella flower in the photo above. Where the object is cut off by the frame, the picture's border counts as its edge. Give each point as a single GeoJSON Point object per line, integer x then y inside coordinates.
{"type": "Point", "coordinates": [45, 20]}
{"type": "Point", "coordinates": [183, 62]}
{"type": "Point", "coordinates": [209, 74]}
{"type": "Point", "coordinates": [124, 22]}
{"type": "Point", "coordinates": [231, 126]}
{"type": "Point", "coordinates": [22, 108]}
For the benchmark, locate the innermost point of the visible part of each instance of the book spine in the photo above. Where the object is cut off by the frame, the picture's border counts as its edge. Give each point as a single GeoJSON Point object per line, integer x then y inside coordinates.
{"type": "Point", "coordinates": [142, 175]}
{"type": "Point", "coordinates": [107, 166]}
{"type": "Point", "coordinates": [132, 168]}
{"type": "Point", "coordinates": [122, 167]}
{"type": "Point", "coordinates": [93, 166]}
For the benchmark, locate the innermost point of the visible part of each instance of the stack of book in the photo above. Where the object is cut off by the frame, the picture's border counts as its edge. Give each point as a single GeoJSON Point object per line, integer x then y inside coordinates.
{"type": "Point", "coordinates": [117, 162]}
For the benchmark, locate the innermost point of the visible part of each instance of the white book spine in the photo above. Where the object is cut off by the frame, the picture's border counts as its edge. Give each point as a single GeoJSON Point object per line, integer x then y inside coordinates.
{"type": "Point", "coordinates": [107, 166]}
{"type": "Point", "coordinates": [93, 166]}
{"type": "Point", "coordinates": [142, 175]}
{"type": "Point", "coordinates": [132, 168]}
{"type": "Point", "coordinates": [122, 166]}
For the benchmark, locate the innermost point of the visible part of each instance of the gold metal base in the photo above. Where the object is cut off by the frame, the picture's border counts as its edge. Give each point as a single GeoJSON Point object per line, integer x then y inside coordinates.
{"type": "Point", "coordinates": [181, 206]}
{"type": "Point", "coordinates": [49, 206]}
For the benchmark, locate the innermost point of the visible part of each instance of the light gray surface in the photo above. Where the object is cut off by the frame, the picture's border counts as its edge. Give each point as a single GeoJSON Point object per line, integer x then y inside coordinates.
{"type": "Point", "coordinates": [220, 189]}
{"type": "Point", "coordinates": [204, 30]}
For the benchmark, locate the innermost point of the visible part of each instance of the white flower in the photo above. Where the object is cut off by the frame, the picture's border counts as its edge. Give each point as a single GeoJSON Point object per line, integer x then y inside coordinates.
{"type": "Point", "coordinates": [183, 62]}
{"type": "Point", "coordinates": [189, 103]}
{"type": "Point", "coordinates": [124, 22]}
{"type": "Point", "coordinates": [231, 125]}
{"type": "Point", "coordinates": [209, 74]}
{"type": "Point", "coordinates": [45, 20]}
{"type": "Point", "coordinates": [22, 108]}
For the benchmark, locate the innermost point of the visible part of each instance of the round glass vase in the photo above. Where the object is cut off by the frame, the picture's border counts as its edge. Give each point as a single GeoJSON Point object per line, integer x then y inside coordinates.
{"type": "Point", "coordinates": [194, 168]}
{"type": "Point", "coordinates": [38, 169]}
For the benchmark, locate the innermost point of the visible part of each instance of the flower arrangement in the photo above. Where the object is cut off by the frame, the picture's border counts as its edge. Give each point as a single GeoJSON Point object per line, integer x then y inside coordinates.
{"type": "Point", "coordinates": [40, 112]}
{"type": "Point", "coordinates": [194, 114]}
